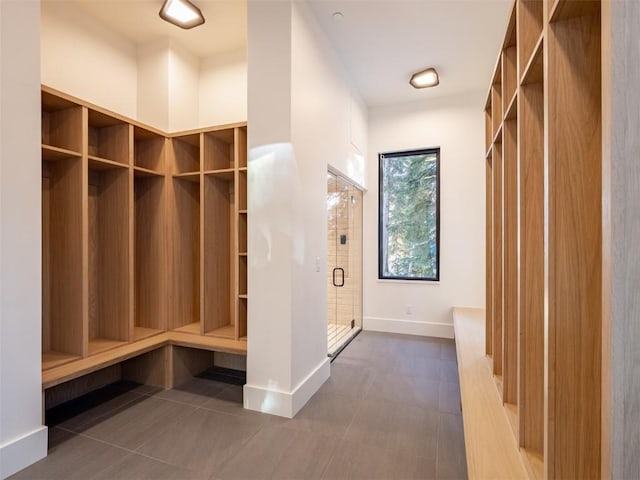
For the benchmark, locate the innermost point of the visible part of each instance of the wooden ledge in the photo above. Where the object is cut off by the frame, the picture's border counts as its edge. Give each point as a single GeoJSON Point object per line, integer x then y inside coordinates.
{"type": "Point", "coordinates": [492, 452]}
{"type": "Point", "coordinates": [77, 368]}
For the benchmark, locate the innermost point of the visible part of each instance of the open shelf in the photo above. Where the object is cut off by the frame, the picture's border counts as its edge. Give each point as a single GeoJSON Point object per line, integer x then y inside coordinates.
{"type": "Point", "coordinates": [108, 258]}
{"type": "Point", "coordinates": [567, 9]}
{"type": "Point", "coordinates": [185, 152]}
{"type": "Point", "coordinates": [62, 240]}
{"type": "Point", "coordinates": [140, 333]}
{"type": "Point", "coordinates": [219, 255]}
{"type": "Point", "coordinates": [488, 126]}
{"type": "Point", "coordinates": [191, 328]}
{"type": "Point", "coordinates": [145, 172]}
{"type": "Point", "coordinates": [99, 345]}
{"type": "Point", "coordinates": [55, 359]}
{"type": "Point", "coordinates": [184, 231]}
{"type": "Point", "coordinates": [218, 149]}
{"type": "Point", "coordinates": [97, 164]}
{"type": "Point", "coordinates": [108, 138]}
{"type": "Point", "coordinates": [530, 20]}
{"type": "Point", "coordinates": [510, 62]}
{"type": "Point", "coordinates": [241, 146]}
{"type": "Point", "coordinates": [53, 154]}
{"type": "Point", "coordinates": [149, 250]}
{"type": "Point", "coordinates": [496, 99]}
{"type": "Point", "coordinates": [242, 275]}
{"type": "Point", "coordinates": [148, 150]}
{"type": "Point", "coordinates": [226, 174]}
{"type": "Point", "coordinates": [242, 191]}
{"type": "Point", "coordinates": [189, 177]}
{"type": "Point", "coordinates": [61, 123]}
{"type": "Point", "coordinates": [242, 318]}
{"type": "Point", "coordinates": [242, 234]}
{"type": "Point", "coordinates": [533, 71]}
{"type": "Point", "coordinates": [496, 348]}
{"type": "Point", "coordinates": [226, 331]}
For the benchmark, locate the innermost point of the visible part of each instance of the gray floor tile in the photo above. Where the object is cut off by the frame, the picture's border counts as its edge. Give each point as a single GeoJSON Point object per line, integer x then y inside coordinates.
{"type": "Point", "coordinates": [138, 467]}
{"type": "Point", "coordinates": [195, 391]}
{"type": "Point", "coordinates": [452, 462]}
{"type": "Point", "coordinates": [356, 461]}
{"type": "Point", "coordinates": [325, 413]}
{"type": "Point", "coordinates": [449, 371]}
{"type": "Point", "coordinates": [73, 457]}
{"type": "Point", "coordinates": [404, 390]}
{"type": "Point", "coordinates": [135, 423]}
{"type": "Point", "coordinates": [279, 453]}
{"type": "Point", "coordinates": [202, 441]}
{"type": "Point", "coordinates": [448, 350]}
{"type": "Point", "coordinates": [418, 366]}
{"type": "Point", "coordinates": [348, 380]}
{"type": "Point", "coordinates": [449, 398]}
{"type": "Point", "coordinates": [398, 428]}
{"type": "Point", "coordinates": [100, 412]}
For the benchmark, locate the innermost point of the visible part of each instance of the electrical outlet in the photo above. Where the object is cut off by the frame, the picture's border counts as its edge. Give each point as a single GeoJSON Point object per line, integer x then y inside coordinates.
{"type": "Point", "coordinates": [409, 309]}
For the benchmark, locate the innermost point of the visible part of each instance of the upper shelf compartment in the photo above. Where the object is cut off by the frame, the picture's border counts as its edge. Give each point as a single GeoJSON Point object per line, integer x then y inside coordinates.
{"type": "Point", "coordinates": [218, 150]}
{"type": "Point", "coordinates": [108, 138]}
{"type": "Point", "coordinates": [148, 150]}
{"type": "Point", "coordinates": [185, 150]}
{"type": "Point", "coordinates": [61, 125]}
{"type": "Point", "coordinates": [530, 13]}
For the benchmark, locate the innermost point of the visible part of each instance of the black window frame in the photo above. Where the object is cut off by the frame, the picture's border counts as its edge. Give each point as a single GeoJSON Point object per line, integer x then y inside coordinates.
{"type": "Point", "coordinates": [406, 153]}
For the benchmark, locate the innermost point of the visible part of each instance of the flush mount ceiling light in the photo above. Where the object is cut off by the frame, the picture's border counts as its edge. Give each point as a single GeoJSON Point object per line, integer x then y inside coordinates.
{"type": "Point", "coordinates": [425, 78]}
{"type": "Point", "coordinates": [182, 13]}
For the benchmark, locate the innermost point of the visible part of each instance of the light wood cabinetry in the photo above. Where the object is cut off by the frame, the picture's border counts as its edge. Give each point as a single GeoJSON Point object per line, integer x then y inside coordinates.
{"type": "Point", "coordinates": [544, 241]}
{"type": "Point", "coordinates": [144, 234]}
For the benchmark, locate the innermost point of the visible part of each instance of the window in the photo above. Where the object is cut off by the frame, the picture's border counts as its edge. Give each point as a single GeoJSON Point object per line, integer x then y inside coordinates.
{"type": "Point", "coordinates": [409, 215]}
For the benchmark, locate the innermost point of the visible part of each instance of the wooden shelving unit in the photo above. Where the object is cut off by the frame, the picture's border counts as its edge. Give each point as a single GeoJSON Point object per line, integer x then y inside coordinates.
{"type": "Point", "coordinates": [142, 233]}
{"type": "Point", "coordinates": [544, 282]}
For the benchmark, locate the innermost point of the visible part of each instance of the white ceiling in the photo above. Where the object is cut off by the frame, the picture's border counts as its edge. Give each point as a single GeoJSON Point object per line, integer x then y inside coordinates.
{"type": "Point", "coordinates": [225, 26]}
{"type": "Point", "coordinates": [380, 42]}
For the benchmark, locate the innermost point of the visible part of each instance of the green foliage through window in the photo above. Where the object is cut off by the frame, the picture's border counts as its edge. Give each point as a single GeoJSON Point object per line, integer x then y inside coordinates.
{"type": "Point", "coordinates": [409, 215]}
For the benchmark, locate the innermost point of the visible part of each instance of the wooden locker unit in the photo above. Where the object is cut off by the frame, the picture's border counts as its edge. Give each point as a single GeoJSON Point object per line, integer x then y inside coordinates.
{"type": "Point", "coordinates": [144, 238]}
{"type": "Point", "coordinates": [544, 242]}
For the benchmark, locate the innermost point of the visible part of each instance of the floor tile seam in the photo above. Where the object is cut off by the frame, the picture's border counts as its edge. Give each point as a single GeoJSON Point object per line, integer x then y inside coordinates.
{"type": "Point", "coordinates": [99, 440]}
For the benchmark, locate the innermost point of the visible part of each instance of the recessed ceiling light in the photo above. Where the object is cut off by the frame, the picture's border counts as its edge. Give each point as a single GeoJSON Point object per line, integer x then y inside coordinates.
{"type": "Point", "coordinates": [337, 15]}
{"type": "Point", "coordinates": [182, 13]}
{"type": "Point", "coordinates": [425, 78]}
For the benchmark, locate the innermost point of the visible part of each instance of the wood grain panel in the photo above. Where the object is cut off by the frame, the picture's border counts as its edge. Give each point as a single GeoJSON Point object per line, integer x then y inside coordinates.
{"type": "Point", "coordinates": [185, 154]}
{"type": "Point", "coordinates": [184, 235]}
{"type": "Point", "coordinates": [489, 259]}
{"type": "Point", "coordinates": [510, 269]}
{"type": "Point", "coordinates": [574, 250]}
{"type": "Point", "coordinates": [241, 146]}
{"type": "Point", "coordinates": [149, 151]}
{"type": "Point", "coordinates": [491, 449]}
{"type": "Point", "coordinates": [218, 150]}
{"type": "Point", "coordinates": [530, 19]}
{"type": "Point", "coordinates": [219, 253]}
{"type": "Point", "coordinates": [497, 260]}
{"type": "Point", "coordinates": [149, 253]}
{"type": "Point", "coordinates": [62, 257]}
{"type": "Point", "coordinates": [531, 268]}
{"type": "Point", "coordinates": [496, 106]}
{"type": "Point", "coordinates": [108, 213]}
{"type": "Point", "coordinates": [110, 142]}
{"type": "Point", "coordinates": [63, 128]}
{"type": "Point", "coordinates": [509, 75]}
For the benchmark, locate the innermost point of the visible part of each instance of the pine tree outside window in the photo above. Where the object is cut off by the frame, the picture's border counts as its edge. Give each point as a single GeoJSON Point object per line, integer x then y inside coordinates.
{"type": "Point", "coordinates": [409, 215]}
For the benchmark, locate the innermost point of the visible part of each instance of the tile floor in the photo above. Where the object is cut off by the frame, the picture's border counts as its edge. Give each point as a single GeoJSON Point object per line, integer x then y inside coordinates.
{"type": "Point", "coordinates": [391, 410]}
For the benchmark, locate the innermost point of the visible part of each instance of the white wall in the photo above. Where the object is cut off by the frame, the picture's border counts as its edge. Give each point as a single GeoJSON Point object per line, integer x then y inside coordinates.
{"type": "Point", "coordinates": [83, 58]}
{"type": "Point", "coordinates": [23, 438]}
{"type": "Point", "coordinates": [301, 112]}
{"type": "Point", "coordinates": [183, 94]}
{"type": "Point", "coordinates": [456, 126]}
{"type": "Point", "coordinates": [223, 88]}
{"type": "Point", "coordinates": [153, 84]}
{"type": "Point", "coordinates": [324, 113]}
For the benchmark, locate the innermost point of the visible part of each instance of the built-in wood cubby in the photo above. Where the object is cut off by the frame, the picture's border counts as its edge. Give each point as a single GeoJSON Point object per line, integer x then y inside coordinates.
{"type": "Point", "coordinates": [543, 120]}
{"type": "Point", "coordinates": [108, 256]}
{"type": "Point", "coordinates": [63, 331]}
{"type": "Point", "coordinates": [149, 243]}
{"type": "Point", "coordinates": [185, 248]}
{"type": "Point", "coordinates": [141, 237]}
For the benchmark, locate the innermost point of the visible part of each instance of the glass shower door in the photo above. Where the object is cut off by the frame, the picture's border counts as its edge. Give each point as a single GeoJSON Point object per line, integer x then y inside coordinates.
{"type": "Point", "coordinates": [344, 213]}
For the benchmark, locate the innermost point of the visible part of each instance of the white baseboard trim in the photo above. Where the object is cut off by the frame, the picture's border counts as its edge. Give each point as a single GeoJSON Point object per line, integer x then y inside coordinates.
{"type": "Point", "coordinates": [21, 452]}
{"type": "Point", "coordinates": [408, 327]}
{"type": "Point", "coordinates": [286, 404]}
